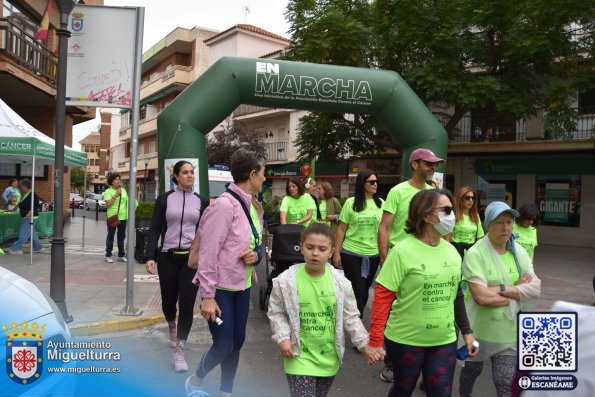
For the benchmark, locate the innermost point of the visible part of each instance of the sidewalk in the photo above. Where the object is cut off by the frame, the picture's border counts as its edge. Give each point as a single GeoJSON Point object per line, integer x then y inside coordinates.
{"type": "Point", "coordinates": [96, 291]}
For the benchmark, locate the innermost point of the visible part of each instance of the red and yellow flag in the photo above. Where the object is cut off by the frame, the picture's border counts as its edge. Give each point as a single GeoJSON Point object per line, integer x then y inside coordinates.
{"type": "Point", "coordinates": [42, 31]}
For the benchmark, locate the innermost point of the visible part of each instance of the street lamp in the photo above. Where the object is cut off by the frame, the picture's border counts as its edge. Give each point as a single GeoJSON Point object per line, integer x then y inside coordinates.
{"type": "Point", "coordinates": [145, 182]}
{"type": "Point", "coordinates": [57, 272]}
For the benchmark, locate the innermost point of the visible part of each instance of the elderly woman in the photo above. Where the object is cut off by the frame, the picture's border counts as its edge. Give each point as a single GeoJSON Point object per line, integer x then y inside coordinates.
{"type": "Point", "coordinates": [296, 207]}
{"type": "Point", "coordinates": [500, 277]}
{"type": "Point", "coordinates": [418, 286]}
{"type": "Point", "coordinates": [230, 245]}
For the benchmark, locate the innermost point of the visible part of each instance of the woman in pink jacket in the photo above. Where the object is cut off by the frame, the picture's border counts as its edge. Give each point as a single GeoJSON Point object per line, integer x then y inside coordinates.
{"type": "Point", "coordinates": [230, 245]}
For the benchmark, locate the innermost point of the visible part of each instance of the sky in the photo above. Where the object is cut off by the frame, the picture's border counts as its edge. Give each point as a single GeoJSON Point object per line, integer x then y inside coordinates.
{"type": "Point", "coordinates": [163, 16]}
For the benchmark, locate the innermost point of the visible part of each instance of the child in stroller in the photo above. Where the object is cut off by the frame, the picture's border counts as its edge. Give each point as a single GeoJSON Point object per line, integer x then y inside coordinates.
{"type": "Point", "coordinates": [284, 253]}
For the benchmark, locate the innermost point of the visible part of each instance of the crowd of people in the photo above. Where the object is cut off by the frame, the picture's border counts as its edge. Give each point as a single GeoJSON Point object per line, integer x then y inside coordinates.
{"type": "Point", "coordinates": [445, 281]}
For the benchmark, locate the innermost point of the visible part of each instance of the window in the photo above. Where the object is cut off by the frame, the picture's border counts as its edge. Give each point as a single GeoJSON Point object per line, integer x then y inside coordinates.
{"type": "Point", "coordinates": [152, 147]}
{"type": "Point", "coordinates": [495, 188]}
{"type": "Point", "coordinates": [558, 198]}
{"type": "Point", "coordinates": [586, 102]}
{"type": "Point", "coordinates": [90, 161]}
{"type": "Point", "coordinates": [92, 149]}
{"type": "Point", "coordinates": [97, 162]}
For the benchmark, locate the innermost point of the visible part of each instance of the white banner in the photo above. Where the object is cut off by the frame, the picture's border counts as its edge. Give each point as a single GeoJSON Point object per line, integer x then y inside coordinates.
{"type": "Point", "coordinates": [101, 56]}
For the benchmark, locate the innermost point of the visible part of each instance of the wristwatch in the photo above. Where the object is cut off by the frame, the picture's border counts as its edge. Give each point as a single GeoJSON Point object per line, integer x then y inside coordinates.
{"type": "Point", "coordinates": [502, 289]}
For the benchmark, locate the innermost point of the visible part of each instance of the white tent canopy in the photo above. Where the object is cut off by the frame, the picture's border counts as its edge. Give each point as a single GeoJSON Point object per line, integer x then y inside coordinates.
{"type": "Point", "coordinates": [21, 143]}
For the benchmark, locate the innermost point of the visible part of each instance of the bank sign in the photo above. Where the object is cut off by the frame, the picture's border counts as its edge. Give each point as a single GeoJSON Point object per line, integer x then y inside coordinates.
{"type": "Point", "coordinates": [272, 83]}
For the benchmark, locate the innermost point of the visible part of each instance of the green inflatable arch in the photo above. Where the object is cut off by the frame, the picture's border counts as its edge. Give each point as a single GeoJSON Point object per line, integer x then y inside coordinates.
{"type": "Point", "coordinates": [230, 82]}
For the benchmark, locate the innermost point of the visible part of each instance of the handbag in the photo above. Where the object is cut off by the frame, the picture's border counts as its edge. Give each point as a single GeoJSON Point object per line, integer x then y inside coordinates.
{"type": "Point", "coordinates": [114, 221]}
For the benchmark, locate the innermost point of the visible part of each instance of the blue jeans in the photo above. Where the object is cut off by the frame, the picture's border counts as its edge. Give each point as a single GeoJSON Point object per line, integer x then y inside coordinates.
{"type": "Point", "coordinates": [25, 234]}
{"type": "Point", "coordinates": [228, 338]}
{"type": "Point", "coordinates": [109, 242]}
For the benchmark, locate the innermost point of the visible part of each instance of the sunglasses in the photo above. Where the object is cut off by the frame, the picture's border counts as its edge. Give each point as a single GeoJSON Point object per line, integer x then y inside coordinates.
{"type": "Point", "coordinates": [372, 182]}
{"type": "Point", "coordinates": [447, 210]}
{"type": "Point", "coordinates": [469, 198]}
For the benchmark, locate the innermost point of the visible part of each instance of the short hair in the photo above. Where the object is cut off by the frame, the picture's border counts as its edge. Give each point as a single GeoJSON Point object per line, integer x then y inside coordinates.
{"type": "Point", "coordinates": [327, 188]}
{"type": "Point", "coordinates": [25, 183]}
{"type": "Point", "coordinates": [296, 181]}
{"type": "Point", "coordinates": [318, 228]}
{"type": "Point", "coordinates": [111, 177]}
{"type": "Point", "coordinates": [11, 181]}
{"type": "Point", "coordinates": [177, 167]}
{"type": "Point", "coordinates": [527, 212]}
{"type": "Point", "coordinates": [422, 204]}
{"type": "Point", "coordinates": [243, 162]}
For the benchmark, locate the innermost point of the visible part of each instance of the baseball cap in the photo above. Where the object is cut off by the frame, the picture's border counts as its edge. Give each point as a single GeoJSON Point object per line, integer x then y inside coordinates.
{"type": "Point", "coordinates": [426, 155]}
{"type": "Point", "coordinates": [495, 209]}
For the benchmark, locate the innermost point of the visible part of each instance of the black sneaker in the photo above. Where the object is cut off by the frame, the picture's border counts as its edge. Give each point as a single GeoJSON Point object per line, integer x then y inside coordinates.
{"type": "Point", "coordinates": [386, 375]}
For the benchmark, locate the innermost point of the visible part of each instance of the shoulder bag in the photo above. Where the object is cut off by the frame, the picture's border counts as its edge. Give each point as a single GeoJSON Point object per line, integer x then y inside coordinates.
{"type": "Point", "coordinates": [114, 221]}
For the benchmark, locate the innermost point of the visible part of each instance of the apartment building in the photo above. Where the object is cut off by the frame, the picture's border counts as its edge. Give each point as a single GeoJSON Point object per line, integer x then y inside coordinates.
{"type": "Point", "coordinates": [28, 82]}
{"type": "Point", "coordinates": [91, 145]}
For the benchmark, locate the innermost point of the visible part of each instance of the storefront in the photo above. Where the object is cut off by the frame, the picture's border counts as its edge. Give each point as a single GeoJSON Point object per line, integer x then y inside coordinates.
{"type": "Point", "coordinates": [562, 188]}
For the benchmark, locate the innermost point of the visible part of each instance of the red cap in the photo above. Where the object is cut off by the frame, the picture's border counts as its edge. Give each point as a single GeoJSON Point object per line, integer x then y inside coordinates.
{"type": "Point", "coordinates": [426, 155]}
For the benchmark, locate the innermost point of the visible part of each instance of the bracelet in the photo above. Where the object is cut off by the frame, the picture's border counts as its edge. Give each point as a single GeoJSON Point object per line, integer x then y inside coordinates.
{"type": "Point", "coordinates": [467, 331]}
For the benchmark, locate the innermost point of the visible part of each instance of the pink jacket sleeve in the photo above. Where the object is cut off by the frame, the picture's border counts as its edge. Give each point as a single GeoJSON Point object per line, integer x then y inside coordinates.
{"type": "Point", "coordinates": [214, 227]}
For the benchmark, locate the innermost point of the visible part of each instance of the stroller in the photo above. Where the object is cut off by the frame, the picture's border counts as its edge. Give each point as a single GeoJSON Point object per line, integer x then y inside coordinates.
{"type": "Point", "coordinates": [285, 252]}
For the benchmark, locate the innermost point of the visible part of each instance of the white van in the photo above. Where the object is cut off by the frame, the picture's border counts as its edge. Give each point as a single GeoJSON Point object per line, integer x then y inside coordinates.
{"type": "Point", "coordinates": [219, 176]}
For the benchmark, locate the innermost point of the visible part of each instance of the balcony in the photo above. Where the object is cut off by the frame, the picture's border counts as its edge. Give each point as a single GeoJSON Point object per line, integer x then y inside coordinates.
{"type": "Point", "coordinates": [485, 128]}
{"type": "Point", "coordinates": [175, 78]}
{"type": "Point", "coordinates": [146, 127]}
{"type": "Point", "coordinates": [25, 50]}
{"type": "Point", "coordinates": [276, 151]}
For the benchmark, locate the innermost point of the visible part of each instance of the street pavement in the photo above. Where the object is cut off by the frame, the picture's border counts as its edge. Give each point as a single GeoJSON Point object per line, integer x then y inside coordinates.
{"type": "Point", "coordinates": [96, 294]}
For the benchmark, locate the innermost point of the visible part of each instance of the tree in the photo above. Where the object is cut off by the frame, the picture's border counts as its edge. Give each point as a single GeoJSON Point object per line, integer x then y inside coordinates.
{"type": "Point", "coordinates": [222, 144]}
{"type": "Point", "coordinates": [77, 175]}
{"type": "Point", "coordinates": [509, 57]}
{"type": "Point", "coordinates": [334, 32]}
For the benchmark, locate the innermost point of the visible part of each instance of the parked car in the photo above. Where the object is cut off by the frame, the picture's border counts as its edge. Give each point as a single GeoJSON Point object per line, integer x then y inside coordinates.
{"type": "Point", "coordinates": [91, 202]}
{"type": "Point", "coordinates": [78, 200]}
{"type": "Point", "coordinates": [25, 307]}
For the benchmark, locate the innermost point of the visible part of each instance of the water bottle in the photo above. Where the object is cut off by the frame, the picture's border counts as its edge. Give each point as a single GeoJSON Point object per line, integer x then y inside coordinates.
{"type": "Point", "coordinates": [462, 352]}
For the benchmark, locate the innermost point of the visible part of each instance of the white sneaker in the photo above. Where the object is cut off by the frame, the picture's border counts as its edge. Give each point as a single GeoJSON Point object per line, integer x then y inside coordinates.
{"type": "Point", "coordinates": [194, 391]}
{"type": "Point", "coordinates": [122, 259]}
{"type": "Point", "coordinates": [108, 259]}
{"type": "Point", "coordinates": [15, 252]}
{"type": "Point", "coordinates": [39, 251]}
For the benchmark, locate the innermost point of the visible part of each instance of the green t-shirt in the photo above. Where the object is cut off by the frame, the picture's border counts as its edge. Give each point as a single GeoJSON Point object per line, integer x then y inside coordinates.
{"type": "Point", "coordinates": [527, 238]}
{"type": "Point", "coordinates": [322, 209]}
{"type": "Point", "coordinates": [362, 227]}
{"type": "Point", "coordinates": [297, 209]}
{"type": "Point", "coordinates": [316, 297]}
{"type": "Point", "coordinates": [122, 201]}
{"type": "Point", "coordinates": [426, 280]}
{"type": "Point", "coordinates": [466, 231]}
{"type": "Point", "coordinates": [487, 322]}
{"type": "Point", "coordinates": [397, 203]}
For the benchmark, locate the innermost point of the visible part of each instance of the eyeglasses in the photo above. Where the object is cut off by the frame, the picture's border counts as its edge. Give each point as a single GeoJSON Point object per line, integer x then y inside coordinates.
{"type": "Point", "coordinates": [447, 210]}
{"type": "Point", "coordinates": [372, 182]}
{"type": "Point", "coordinates": [469, 198]}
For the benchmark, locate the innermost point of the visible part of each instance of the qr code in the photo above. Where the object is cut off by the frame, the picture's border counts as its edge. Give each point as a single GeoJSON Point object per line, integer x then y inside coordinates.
{"type": "Point", "coordinates": [547, 341]}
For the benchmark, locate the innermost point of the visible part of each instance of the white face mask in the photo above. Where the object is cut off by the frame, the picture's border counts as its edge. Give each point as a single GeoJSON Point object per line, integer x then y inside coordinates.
{"type": "Point", "coordinates": [446, 224]}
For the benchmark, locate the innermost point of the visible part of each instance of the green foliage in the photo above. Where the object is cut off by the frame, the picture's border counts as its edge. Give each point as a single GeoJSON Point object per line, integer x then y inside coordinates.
{"type": "Point", "coordinates": [508, 57]}
{"type": "Point", "coordinates": [77, 182]}
{"type": "Point", "coordinates": [560, 122]}
{"type": "Point", "coordinates": [145, 210]}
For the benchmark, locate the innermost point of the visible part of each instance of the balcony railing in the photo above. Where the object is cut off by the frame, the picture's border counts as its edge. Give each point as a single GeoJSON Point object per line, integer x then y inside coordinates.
{"type": "Point", "coordinates": [21, 46]}
{"type": "Point", "coordinates": [485, 128]}
{"type": "Point", "coordinates": [276, 151]}
{"type": "Point", "coordinates": [585, 123]}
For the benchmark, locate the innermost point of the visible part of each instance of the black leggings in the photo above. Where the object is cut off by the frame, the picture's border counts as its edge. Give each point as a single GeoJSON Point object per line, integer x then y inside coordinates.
{"type": "Point", "coordinates": [352, 266]}
{"type": "Point", "coordinates": [175, 280]}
